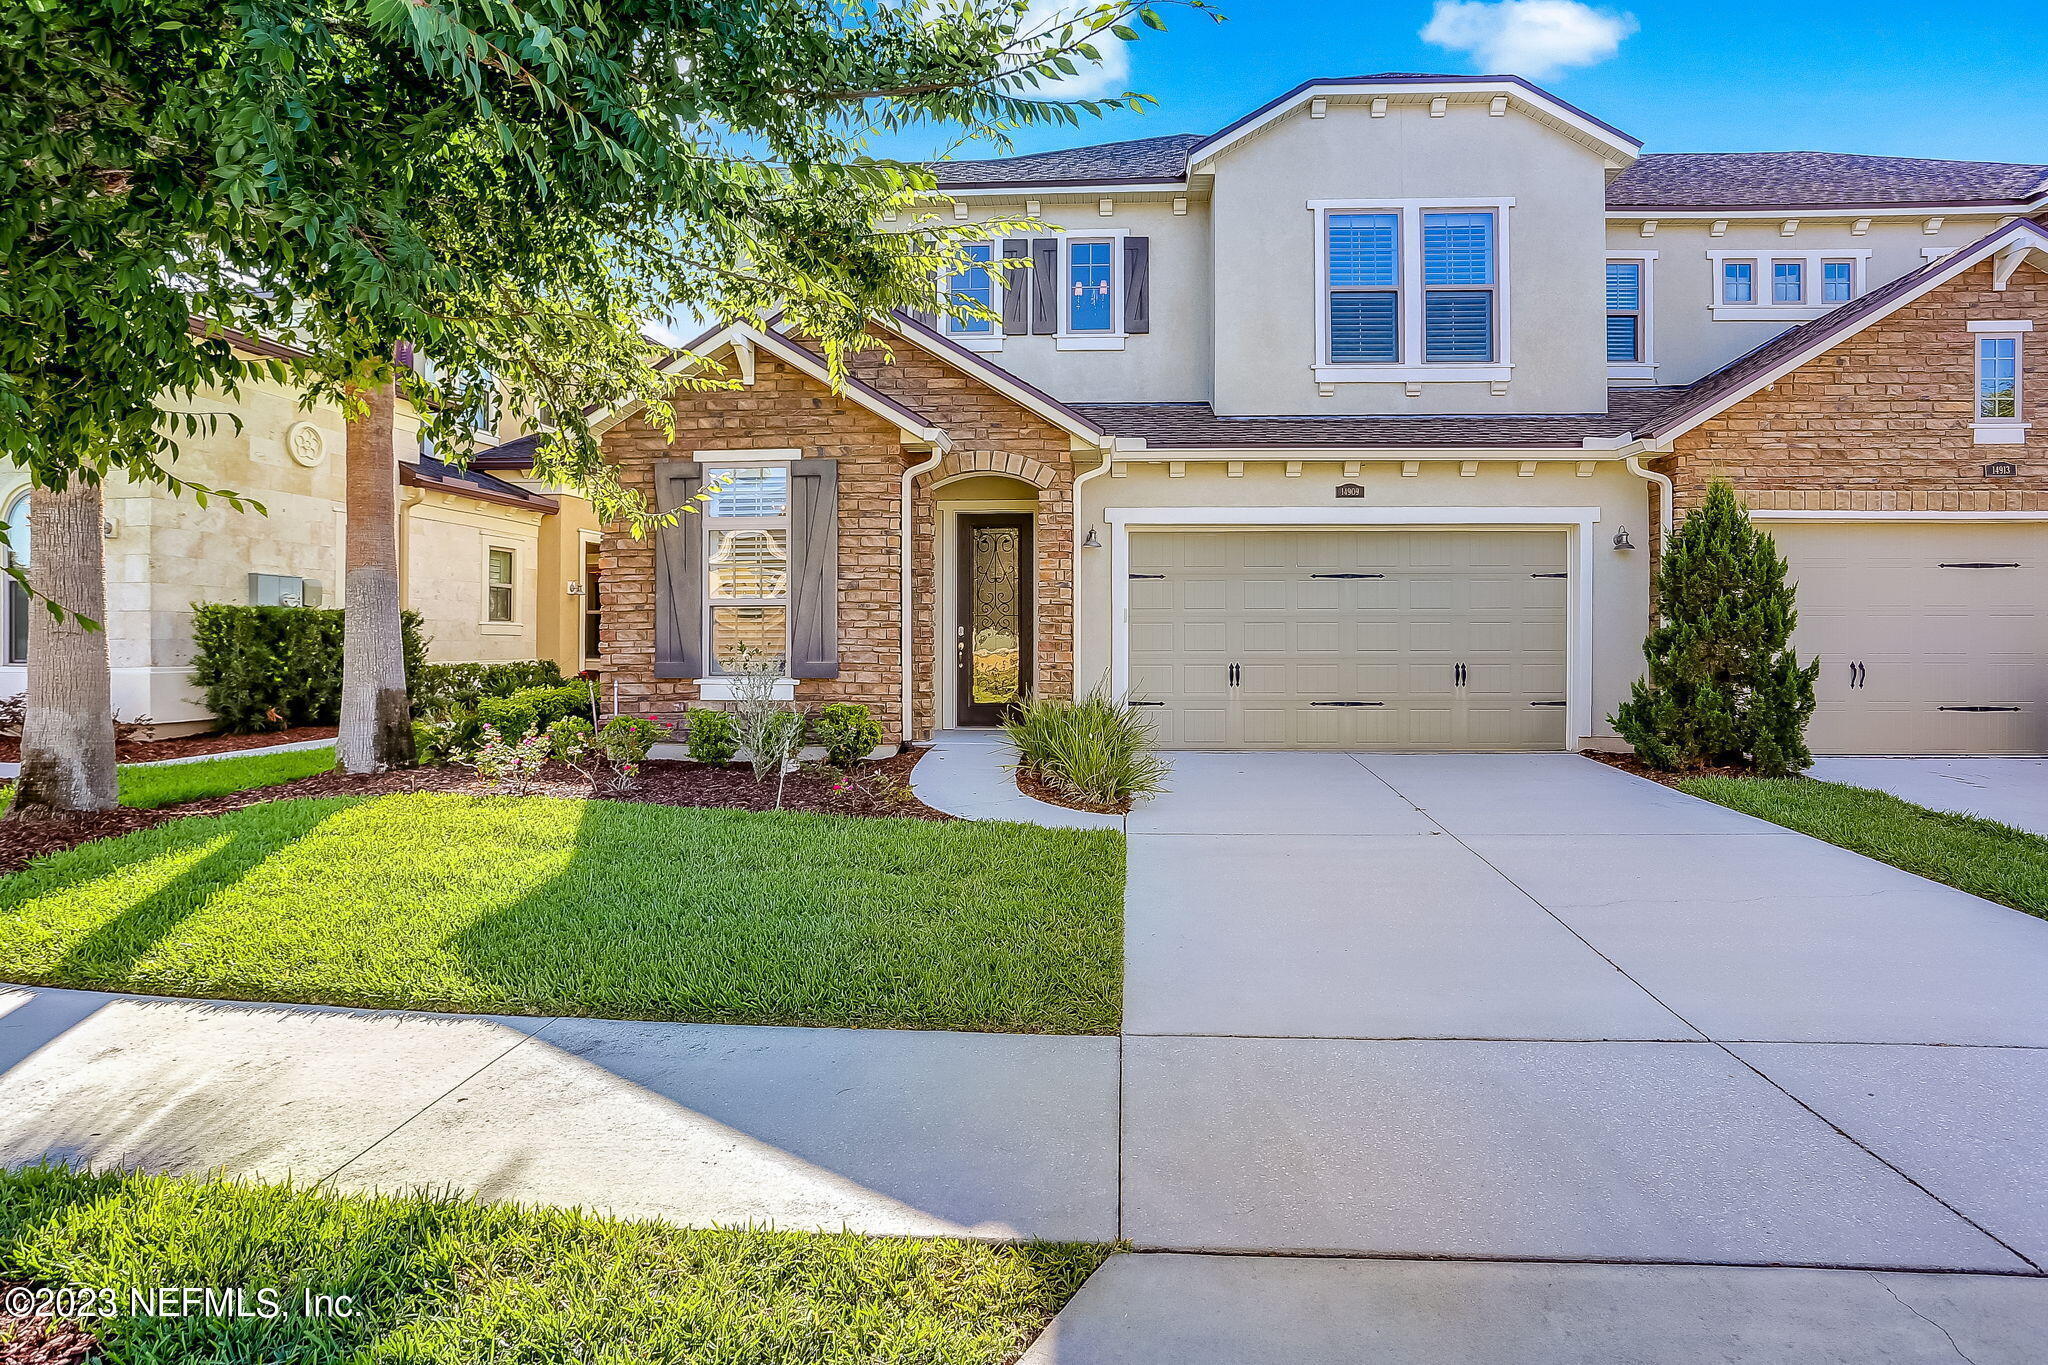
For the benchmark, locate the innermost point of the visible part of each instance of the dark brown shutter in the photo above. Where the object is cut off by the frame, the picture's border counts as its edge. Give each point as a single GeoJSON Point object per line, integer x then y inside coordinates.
{"type": "Point", "coordinates": [1045, 285]}
{"type": "Point", "coordinates": [1137, 284]}
{"type": "Point", "coordinates": [679, 572]}
{"type": "Point", "coordinates": [1017, 289]}
{"type": "Point", "coordinates": [814, 569]}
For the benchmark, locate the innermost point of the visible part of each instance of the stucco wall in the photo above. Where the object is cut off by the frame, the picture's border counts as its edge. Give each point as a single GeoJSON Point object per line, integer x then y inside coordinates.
{"type": "Point", "coordinates": [446, 540]}
{"type": "Point", "coordinates": [1688, 341]}
{"type": "Point", "coordinates": [1268, 297]}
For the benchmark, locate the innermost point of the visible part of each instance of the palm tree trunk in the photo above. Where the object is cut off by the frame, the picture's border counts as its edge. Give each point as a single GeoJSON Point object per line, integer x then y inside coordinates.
{"type": "Point", "coordinates": [376, 716]}
{"type": "Point", "coordinates": [67, 735]}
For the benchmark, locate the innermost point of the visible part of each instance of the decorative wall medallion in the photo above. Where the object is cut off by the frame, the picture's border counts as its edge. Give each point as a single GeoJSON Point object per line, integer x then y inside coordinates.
{"type": "Point", "coordinates": [1350, 490]}
{"type": "Point", "coordinates": [2001, 469]}
{"type": "Point", "coordinates": [306, 444]}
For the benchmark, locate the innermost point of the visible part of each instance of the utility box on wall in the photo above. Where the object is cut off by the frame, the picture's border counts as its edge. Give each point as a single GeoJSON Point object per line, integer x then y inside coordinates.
{"type": "Point", "coordinates": [282, 590]}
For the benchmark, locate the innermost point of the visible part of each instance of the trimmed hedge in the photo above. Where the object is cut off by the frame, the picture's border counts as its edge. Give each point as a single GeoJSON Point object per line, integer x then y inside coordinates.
{"type": "Point", "coordinates": [443, 689]}
{"type": "Point", "coordinates": [270, 668]}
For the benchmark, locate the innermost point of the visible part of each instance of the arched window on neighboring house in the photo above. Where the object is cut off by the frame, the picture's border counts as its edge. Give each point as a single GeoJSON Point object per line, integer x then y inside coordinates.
{"type": "Point", "coordinates": [17, 596]}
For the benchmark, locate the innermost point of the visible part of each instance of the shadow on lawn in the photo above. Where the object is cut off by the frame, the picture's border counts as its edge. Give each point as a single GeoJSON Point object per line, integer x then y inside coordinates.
{"type": "Point", "coordinates": [111, 950]}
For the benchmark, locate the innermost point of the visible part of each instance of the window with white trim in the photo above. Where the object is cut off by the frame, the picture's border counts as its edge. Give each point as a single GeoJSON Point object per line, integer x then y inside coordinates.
{"type": "Point", "coordinates": [1795, 285]}
{"type": "Point", "coordinates": [1626, 343]}
{"type": "Point", "coordinates": [499, 567]}
{"type": "Point", "coordinates": [1410, 286]}
{"type": "Point", "coordinates": [1091, 287]}
{"type": "Point", "coordinates": [1998, 378]}
{"type": "Point", "coordinates": [746, 563]}
{"type": "Point", "coordinates": [975, 285]}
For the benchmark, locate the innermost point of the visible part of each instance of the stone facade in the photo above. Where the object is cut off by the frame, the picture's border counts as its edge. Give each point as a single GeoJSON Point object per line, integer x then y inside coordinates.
{"type": "Point", "coordinates": [1881, 421]}
{"type": "Point", "coordinates": [786, 409]}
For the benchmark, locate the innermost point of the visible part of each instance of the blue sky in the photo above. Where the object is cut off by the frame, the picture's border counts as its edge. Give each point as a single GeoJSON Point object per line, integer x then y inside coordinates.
{"type": "Point", "coordinates": [1881, 76]}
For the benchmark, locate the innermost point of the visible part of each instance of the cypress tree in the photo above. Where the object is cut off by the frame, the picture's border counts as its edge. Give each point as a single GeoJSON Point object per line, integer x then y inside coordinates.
{"type": "Point", "coordinates": [1723, 687]}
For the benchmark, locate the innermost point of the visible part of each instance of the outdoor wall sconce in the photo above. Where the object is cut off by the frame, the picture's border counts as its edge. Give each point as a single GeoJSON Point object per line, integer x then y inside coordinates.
{"type": "Point", "coordinates": [1093, 542]}
{"type": "Point", "coordinates": [1621, 540]}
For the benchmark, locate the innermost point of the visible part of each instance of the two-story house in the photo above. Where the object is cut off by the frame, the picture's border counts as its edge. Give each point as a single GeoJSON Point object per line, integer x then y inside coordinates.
{"type": "Point", "coordinates": [1356, 424]}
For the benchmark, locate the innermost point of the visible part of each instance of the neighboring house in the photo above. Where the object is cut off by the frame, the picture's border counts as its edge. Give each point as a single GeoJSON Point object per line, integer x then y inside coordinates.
{"type": "Point", "coordinates": [478, 554]}
{"type": "Point", "coordinates": [1355, 424]}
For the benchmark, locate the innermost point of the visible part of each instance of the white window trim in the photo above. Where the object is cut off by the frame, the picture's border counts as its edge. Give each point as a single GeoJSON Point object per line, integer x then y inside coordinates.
{"type": "Point", "coordinates": [1065, 338]}
{"type": "Point", "coordinates": [1498, 370]}
{"type": "Point", "coordinates": [991, 341]}
{"type": "Point", "coordinates": [512, 624]}
{"type": "Point", "coordinates": [1646, 368]}
{"type": "Point", "coordinates": [1761, 308]}
{"type": "Point", "coordinates": [1999, 431]}
{"type": "Point", "coordinates": [718, 686]}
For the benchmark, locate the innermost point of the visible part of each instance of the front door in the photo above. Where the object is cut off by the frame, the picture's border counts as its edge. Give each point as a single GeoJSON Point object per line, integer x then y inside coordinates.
{"type": "Point", "coordinates": [992, 611]}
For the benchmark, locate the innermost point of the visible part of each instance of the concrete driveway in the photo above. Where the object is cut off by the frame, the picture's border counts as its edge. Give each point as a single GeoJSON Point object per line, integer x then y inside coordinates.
{"type": "Point", "coordinates": [2011, 790]}
{"type": "Point", "coordinates": [1529, 1008]}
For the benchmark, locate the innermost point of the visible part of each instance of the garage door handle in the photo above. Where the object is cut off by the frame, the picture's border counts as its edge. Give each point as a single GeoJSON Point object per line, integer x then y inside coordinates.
{"type": "Point", "coordinates": [1347, 703]}
{"type": "Point", "coordinates": [1236, 675]}
{"type": "Point", "coordinates": [1976, 566]}
{"type": "Point", "coordinates": [1347, 575]}
{"type": "Point", "coordinates": [1550, 575]}
{"type": "Point", "coordinates": [1148, 575]}
{"type": "Point", "coordinates": [1144, 703]}
{"type": "Point", "coordinates": [1856, 675]}
{"type": "Point", "coordinates": [1977, 708]}
{"type": "Point", "coordinates": [1457, 675]}
{"type": "Point", "coordinates": [1546, 703]}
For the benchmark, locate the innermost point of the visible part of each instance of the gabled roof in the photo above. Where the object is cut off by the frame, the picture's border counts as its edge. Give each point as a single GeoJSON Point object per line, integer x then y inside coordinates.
{"type": "Point", "coordinates": [1744, 375]}
{"type": "Point", "coordinates": [1195, 426]}
{"type": "Point", "coordinates": [1067, 418]}
{"type": "Point", "coordinates": [1833, 180]}
{"type": "Point", "coordinates": [1145, 160]}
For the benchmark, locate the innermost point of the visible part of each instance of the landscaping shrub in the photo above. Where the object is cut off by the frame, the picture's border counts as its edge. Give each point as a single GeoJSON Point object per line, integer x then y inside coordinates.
{"type": "Point", "coordinates": [569, 739]}
{"type": "Point", "coordinates": [1096, 749]}
{"type": "Point", "coordinates": [531, 709]}
{"type": "Point", "coordinates": [511, 716]}
{"type": "Point", "coordinates": [848, 732]}
{"type": "Point", "coordinates": [713, 736]}
{"type": "Point", "coordinates": [624, 741]}
{"type": "Point", "coordinates": [443, 689]}
{"type": "Point", "coordinates": [269, 668]}
{"type": "Point", "coordinates": [1724, 688]}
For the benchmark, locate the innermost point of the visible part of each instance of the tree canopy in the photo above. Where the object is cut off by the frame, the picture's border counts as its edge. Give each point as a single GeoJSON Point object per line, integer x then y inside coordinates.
{"type": "Point", "coordinates": [511, 189]}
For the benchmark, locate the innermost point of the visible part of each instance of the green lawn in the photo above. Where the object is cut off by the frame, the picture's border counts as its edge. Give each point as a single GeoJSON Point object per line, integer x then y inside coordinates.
{"type": "Point", "coordinates": [536, 905]}
{"type": "Point", "coordinates": [1983, 857]}
{"type": "Point", "coordinates": [453, 1282]}
{"type": "Point", "coordinates": [146, 788]}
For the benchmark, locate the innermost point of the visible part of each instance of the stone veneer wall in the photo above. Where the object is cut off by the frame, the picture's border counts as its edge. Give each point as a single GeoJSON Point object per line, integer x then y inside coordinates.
{"type": "Point", "coordinates": [784, 408]}
{"type": "Point", "coordinates": [1881, 422]}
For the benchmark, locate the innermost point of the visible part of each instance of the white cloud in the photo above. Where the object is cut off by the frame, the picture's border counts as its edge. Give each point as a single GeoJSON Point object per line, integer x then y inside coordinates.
{"type": "Point", "coordinates": [1534, 38]}
{"type": "Point", "coordinates": [1111, 76]}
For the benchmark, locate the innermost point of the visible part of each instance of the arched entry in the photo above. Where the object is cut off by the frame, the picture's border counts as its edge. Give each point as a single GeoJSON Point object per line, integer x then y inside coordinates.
{"type": "Point", "coordinates": [988, 655]}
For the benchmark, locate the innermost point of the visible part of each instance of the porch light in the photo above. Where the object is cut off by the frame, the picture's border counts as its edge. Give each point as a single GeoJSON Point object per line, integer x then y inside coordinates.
{"type": "Point", "coordinates": [1093, 542]}
{"type": "Point", "coordinates": [1621, 540]}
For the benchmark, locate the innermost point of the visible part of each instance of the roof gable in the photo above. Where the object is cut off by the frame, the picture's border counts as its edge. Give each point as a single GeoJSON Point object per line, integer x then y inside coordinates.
{"type": "Point", "coordinates": [1818, 180]}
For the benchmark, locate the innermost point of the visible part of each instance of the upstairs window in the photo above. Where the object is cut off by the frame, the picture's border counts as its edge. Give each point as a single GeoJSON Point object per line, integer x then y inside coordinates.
{"type": "Point", "coordinates": [1788, 282]}
{"type": "Point", "coordinates": [973, 285]}
{"type": "Point", "coordinates": [1458, 284]}
{"type": "Point", "coordinates": [1365, 288]}
{"type": "Point", "coordinates": [1998, 378]}
{"type": "Point", "coordinates": [1738, 282]}
{"type": "Point", "coordinates": [1837, 281]}
{"type": "Point", "coordinates": [1091, 287]}
{"type": "Point", "coordinates": [1625, 313]}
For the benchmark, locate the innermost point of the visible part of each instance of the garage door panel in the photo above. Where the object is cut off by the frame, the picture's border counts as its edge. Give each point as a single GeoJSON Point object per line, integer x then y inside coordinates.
{"type": "Point", "coordinates": [1931, 636]}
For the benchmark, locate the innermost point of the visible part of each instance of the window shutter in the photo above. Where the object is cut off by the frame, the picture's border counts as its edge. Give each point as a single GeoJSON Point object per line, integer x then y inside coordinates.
{"type": "Point", "coordinates": [1017, 286]}
{"type": "Point", "coordinates": [678, 572]}
{"type": "Point", "coordinates": [814, 569]}
{"type": "Point", "coordinates": [1045, 286]}
{"type": "Point", "coordinates": [1137, 284]}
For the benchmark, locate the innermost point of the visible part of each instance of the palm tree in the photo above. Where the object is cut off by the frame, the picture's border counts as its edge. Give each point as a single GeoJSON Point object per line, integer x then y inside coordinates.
{"type": "Point", "coordinates": [376, 714]}
{"type": "Point", "coordinates": [67, 734]}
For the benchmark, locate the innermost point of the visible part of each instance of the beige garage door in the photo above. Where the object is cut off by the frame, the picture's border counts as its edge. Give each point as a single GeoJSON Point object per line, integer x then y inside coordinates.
{"type": "Point", "coordinates": [1308, 639]}
{"type": "Point", "coordinates": [1932, 639]}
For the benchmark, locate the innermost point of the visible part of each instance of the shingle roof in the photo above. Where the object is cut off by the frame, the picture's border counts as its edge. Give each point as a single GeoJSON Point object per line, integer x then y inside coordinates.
{"type": "Point", "coordinates": [1816, 180]}
{"type": "Point", "coordinates": [1714, 390]}
{"type": "Point", "coordinates": [1146, 159]}
{"type": "Point", "coordinates": [475, 483]}
{"type": "Point", "coordinates": [1659, 180]}
{"type": "Point", "coordinates": [1188, 426]}
{"type": "Point", "coordinates": [516, 453]}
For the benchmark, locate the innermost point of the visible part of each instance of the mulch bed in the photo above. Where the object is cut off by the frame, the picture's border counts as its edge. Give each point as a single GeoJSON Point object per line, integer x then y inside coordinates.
{"type": "Point", "coordinates": [43, 1341]}
{"type": "Point", "coordinates": [1038, 789]}
{"type": "Point", "coordinates": [146, 750]}
{"type": "Point", "coordinates": [874, 789]}
{"type": "Point", "coordinates": [1629, 763]}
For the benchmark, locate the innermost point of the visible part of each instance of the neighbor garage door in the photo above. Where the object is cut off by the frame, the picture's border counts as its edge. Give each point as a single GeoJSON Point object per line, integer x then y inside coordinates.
{"type": "Point", "coordinates": [1933, 639]}
{"type": "Point", "coordinates": [1336, 639]}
